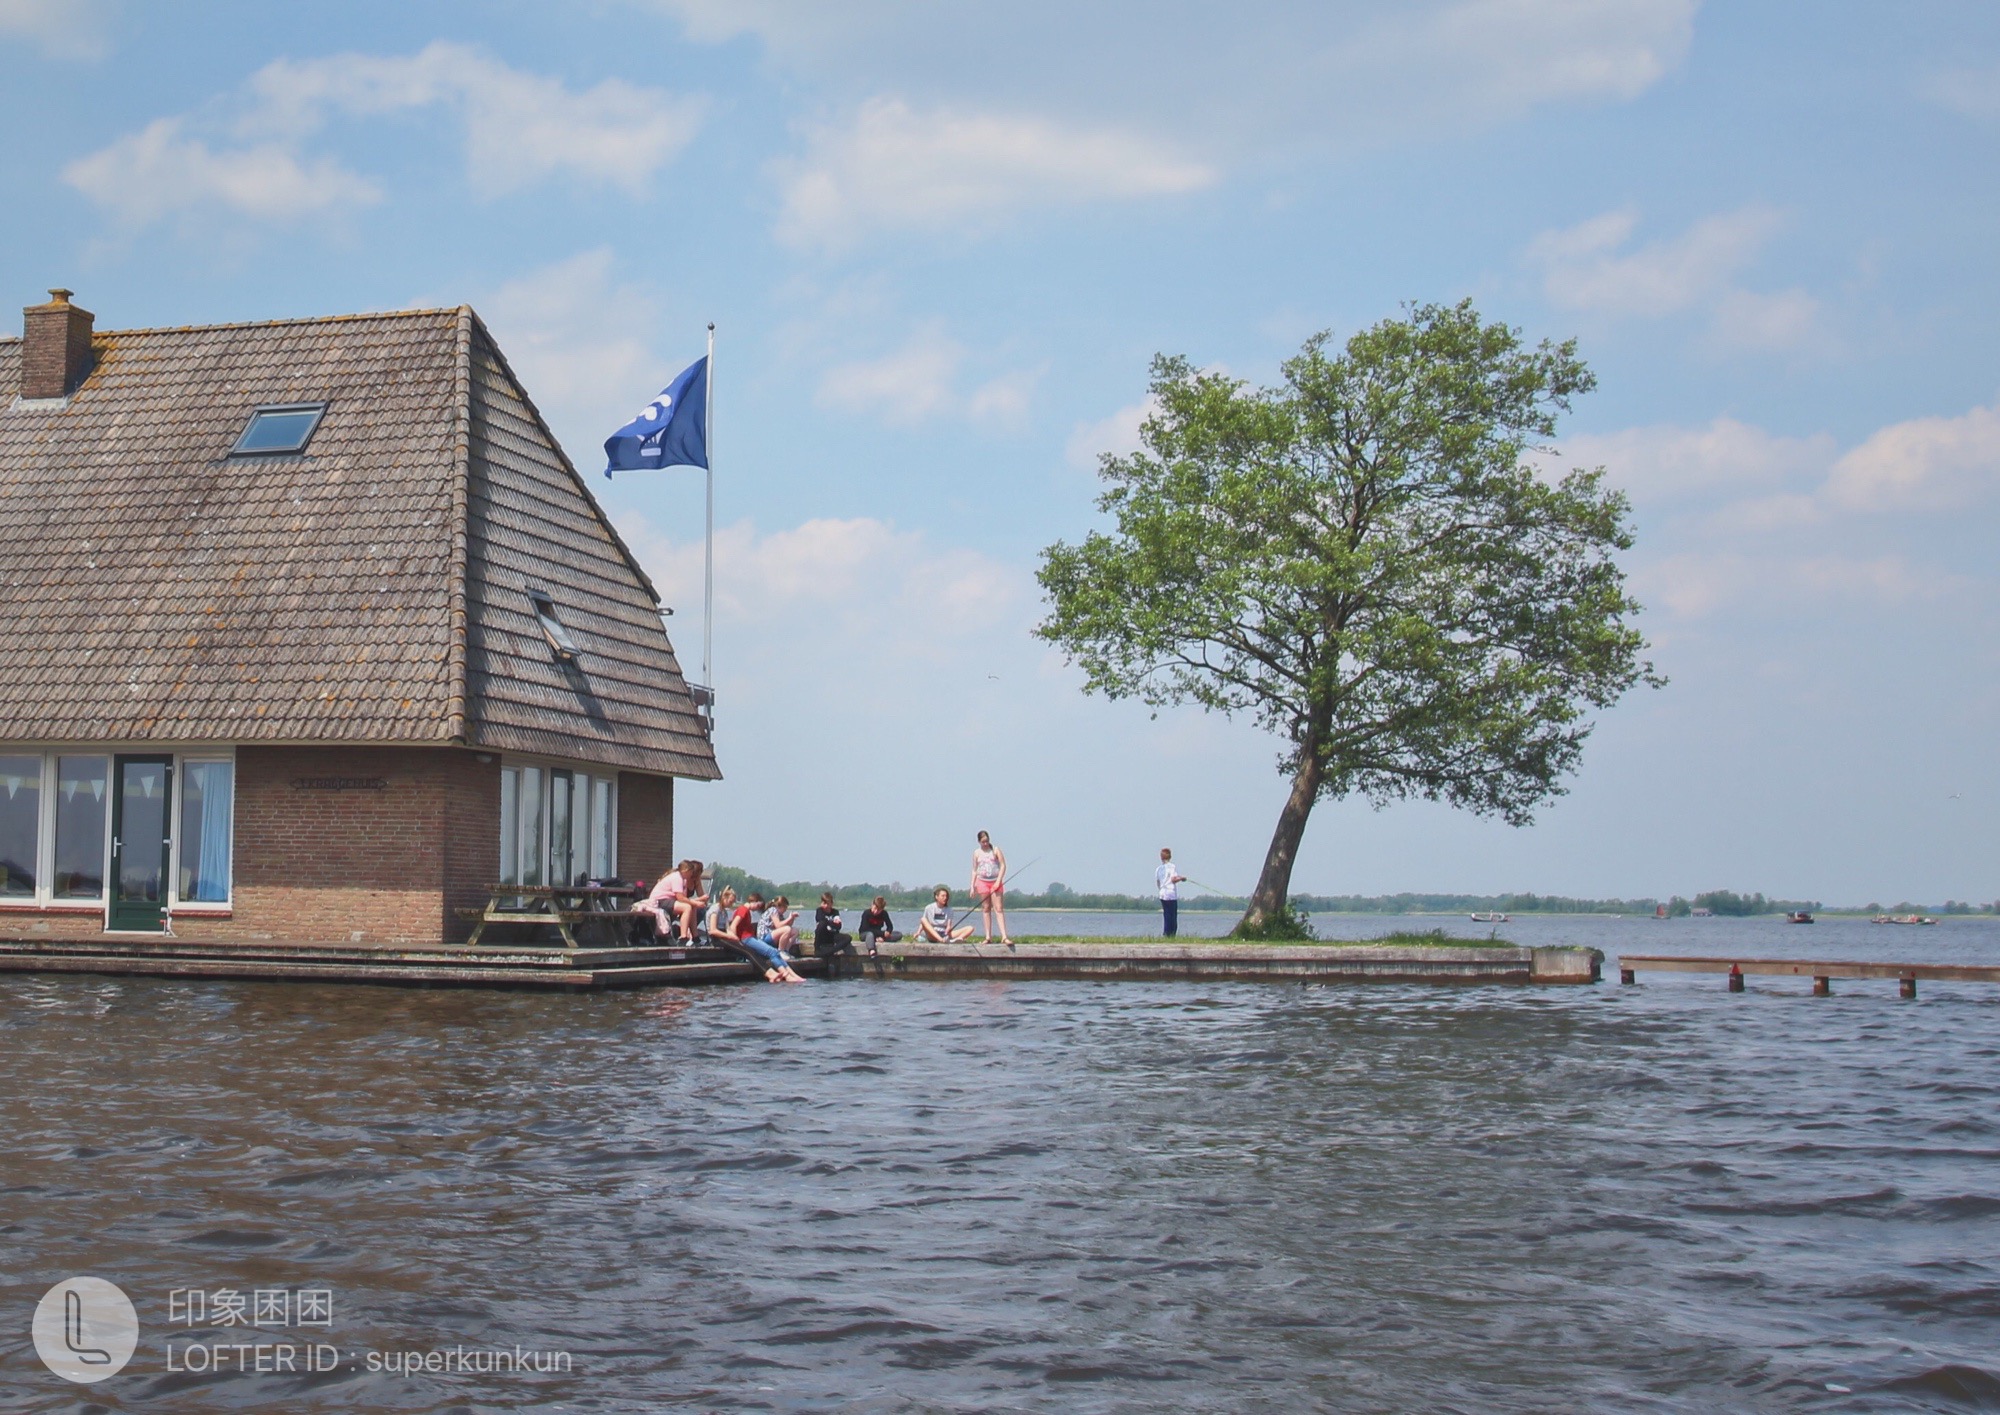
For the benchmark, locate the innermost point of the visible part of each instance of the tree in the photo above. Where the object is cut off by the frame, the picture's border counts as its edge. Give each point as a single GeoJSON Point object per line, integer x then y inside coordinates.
{"type": "Point", "coordinates": [1360, 560]}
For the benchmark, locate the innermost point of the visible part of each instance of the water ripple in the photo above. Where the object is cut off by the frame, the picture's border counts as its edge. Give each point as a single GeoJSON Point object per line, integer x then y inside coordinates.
{"type": "Point", "coordinates": [1065, 1197]}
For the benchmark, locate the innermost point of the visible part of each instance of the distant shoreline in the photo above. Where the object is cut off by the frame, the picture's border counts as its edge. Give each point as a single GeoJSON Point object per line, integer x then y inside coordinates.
{"type": "Point", "coordinates": [1722, 903]}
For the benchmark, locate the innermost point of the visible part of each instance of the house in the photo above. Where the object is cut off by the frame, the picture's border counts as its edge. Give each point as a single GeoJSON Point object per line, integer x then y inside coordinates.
{"type": "Point", "coordinates": [311, 632]}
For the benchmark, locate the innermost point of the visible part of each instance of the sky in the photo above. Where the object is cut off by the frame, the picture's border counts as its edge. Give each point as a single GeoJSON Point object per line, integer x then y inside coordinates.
{"type": "Point", "coordinates": [940, 244]}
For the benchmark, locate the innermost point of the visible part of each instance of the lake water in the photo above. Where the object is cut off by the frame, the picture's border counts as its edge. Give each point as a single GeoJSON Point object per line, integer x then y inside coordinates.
{"type": "Point", "coordinates": [1957, 938]}
{"type": "Point", "coordinates": [1055, 1196]}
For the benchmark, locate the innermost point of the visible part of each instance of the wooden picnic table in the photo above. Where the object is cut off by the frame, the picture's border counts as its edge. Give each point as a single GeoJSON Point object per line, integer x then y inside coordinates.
{"type": "Point", "coordinates": [570, 909]}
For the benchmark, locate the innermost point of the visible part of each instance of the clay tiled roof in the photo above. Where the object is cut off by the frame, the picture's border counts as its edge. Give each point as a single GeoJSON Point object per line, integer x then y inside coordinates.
{"type": "Point", "coordinates": [371, 589]}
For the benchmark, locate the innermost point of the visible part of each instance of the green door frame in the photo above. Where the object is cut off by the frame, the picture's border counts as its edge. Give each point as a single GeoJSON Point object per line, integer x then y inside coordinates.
{"type": "Point", "coordinates": [141, 914]}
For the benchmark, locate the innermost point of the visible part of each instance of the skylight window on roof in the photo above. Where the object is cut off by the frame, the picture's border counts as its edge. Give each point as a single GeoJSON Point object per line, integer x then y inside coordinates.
{"type": "Point", "coordinates": [552, 627]}
{"type": "Point", "coordinates": [280, 428]}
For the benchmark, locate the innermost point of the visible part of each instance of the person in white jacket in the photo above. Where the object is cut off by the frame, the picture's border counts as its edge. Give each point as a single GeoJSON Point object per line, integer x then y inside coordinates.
{"type": "Point", "coordinates": [1170, 895]}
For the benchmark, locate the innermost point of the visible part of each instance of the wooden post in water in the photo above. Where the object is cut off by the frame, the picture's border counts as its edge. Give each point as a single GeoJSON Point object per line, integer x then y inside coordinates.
{"type": "Point", "coordinates": [1822, 987]}
{"type": "Point", "coordinates": [1735, 978]}
{"type": "Point", "coordinates": [1909, 985]}
{"type": "Point", "coordinates": [1627, 975]}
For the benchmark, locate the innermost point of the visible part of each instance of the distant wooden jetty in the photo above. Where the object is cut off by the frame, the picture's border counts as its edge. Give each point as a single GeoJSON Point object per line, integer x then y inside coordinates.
{"type": "Point", "coordinates": [1821, 971]}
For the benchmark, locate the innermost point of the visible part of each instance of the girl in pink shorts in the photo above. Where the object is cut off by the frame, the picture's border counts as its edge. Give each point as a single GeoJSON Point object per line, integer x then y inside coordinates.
{"type": "Point", "coordinates": [989, 886]}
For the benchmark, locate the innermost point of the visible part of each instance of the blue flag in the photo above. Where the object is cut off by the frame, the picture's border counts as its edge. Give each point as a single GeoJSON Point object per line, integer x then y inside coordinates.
{"type": "Point", "coordinates": [670, 431]}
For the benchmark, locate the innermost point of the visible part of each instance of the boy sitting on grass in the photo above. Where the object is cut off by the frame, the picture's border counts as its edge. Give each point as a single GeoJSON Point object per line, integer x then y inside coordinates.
{"type": "Point", "coordinates": [935, 925]}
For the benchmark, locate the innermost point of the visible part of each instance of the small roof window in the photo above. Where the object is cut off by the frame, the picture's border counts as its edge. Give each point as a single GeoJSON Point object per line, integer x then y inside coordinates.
{"type": "Point", "coordinates": [282, 427]}
{"type": "Point", "coordinates": [552, 627]}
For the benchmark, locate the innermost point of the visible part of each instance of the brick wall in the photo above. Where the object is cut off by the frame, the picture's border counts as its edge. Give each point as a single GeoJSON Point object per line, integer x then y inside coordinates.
{"type": "Point", "coordinates": [645, 825]}
{"type": "Point", "coordinates": [383, 866]}
{"type": "Point", "coordinates": [470, 827]}
{"type": "Point", "coordinates": [55, 352]}
{"type": "Point", "coordinates": [358, 866]}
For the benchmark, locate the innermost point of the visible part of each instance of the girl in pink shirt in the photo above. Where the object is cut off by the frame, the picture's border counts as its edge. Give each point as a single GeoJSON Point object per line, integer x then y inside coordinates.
{"type": "Point", "coordinates": [674, 901]}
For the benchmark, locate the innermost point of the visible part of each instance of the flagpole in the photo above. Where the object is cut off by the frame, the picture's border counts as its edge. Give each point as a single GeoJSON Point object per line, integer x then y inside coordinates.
{"type": "Point", "coordinates": [708, 550]}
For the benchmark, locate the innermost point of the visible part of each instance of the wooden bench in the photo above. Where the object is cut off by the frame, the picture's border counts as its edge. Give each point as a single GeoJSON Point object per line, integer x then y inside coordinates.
{"type": "Point", "coordinates": [568, 909]}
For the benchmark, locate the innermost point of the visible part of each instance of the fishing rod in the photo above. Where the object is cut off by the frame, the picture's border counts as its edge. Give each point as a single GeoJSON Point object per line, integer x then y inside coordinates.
{"type": "Point", "coordinates": [875, 957]}
{"type": "Point", "coordinates": [1201, 884]}
{"type": "Point", "coordinates": [1009, 878]}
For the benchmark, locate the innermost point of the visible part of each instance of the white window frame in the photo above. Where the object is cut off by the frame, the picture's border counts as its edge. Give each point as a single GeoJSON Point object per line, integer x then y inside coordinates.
{"type": "Point", "coordinates": [44, 900]}
{"type": "Point", "coordinates": [579, 771]}
{"type": "Point", "coordinates": [45, 824]}
{"type": "Point", "coordinates": [175, 904]}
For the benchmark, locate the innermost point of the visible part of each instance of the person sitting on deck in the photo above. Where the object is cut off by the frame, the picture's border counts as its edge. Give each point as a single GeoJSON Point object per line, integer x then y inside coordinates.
{"type": "Point", "coordinates": [674, 902]}
{"type": "Point", "coordinates": [828, 940]}
{"type": "Point", "coordinates": [738, 931]}
{"type": "Point", "coordinates": [935, 925]}
{"type": "Point", "coordinates": [779, 925]}
{"type": "Point", "coordinates": [876, 923]}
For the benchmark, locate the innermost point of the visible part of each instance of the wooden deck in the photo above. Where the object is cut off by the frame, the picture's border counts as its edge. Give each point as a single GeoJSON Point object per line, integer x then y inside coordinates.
{"type": "Point", "coordinates": [557, 967]}
{"type": "Point", "coordinates": [1821, 971]}
{"type": "Point", "coordinates": [563, 968]}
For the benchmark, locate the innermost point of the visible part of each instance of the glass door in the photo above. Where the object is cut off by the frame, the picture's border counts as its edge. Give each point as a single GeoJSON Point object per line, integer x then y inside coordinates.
{"type": "Point", "coordinates": [142, 792]}
{"type": "Point", "coordinates": [562, 827]}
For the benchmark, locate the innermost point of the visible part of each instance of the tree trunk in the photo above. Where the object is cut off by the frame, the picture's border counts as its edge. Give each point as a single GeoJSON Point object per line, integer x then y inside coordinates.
{"type": "Point", "coordinates": [1274, 885]}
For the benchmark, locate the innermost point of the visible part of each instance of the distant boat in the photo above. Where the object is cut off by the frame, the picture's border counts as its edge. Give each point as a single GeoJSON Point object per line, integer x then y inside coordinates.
{"type": "Point", "coordinates": [1798, 916]}
{"type": "Point", "coordinates": [1903, 919]}
{"type": "Point", "coordinates": [1492, 918]}
{"type": "Point", "coordinates": [1702, 913]}
{"type": "Point", "coordinates": [1659, 911]}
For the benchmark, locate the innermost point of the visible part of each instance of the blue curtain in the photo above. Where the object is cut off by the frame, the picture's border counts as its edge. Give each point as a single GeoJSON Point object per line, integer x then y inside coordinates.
{"type": "Point", "coordinates": [217, 780]}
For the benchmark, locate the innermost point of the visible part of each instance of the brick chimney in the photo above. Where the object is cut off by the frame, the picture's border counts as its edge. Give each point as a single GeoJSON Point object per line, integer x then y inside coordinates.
{"type": "Point", "coordinates": [55, 355]}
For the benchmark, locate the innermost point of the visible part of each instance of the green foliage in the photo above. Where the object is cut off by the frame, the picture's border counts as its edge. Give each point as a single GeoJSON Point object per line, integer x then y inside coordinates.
{"type": "Point", "coordinates": [1729, 904]}
{"type": "Point", "coordinates": [1433, 938]}
{"type": "Point", "coordinates": [1287, 925]}
{"type": "Point", "coordinates": [805, 894]}
{"type": "Point", "coordinates": [1360, 560]}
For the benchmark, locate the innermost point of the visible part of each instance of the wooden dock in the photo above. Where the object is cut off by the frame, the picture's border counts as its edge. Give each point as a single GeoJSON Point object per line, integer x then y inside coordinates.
{"type": "Point", "coordinates": [1821, 971]}
{"type": "Point", "coordinates": [488, 966]}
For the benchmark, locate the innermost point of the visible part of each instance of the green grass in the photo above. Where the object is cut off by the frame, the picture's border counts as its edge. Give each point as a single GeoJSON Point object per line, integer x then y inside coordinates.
{"type": "Point", "coordinates": [1433, 938]}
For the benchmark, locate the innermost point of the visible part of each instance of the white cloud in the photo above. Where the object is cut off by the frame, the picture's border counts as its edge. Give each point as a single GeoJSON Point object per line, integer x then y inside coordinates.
{"type": "Point", "coordinates": [851, 590]}
{"type": "Point", "coordinates": [892, 168]}
{"type": "Point", "coordinates": [1116, 435]}
{"type": "Point", "coordinates": [907, 386]}
{"type": "Point", "coordinates": [161, 170]}
{"type": "Point", "coordinates": [1586, 268]}
{"type": "Point", "coordinates": [920, 381]}
{"type": "Point", "coordinates": [1970, 92]}
{"type": "Point", "coordinates": [1005, 399]}
{"type": "Point", "coordinates": [1340, 74]}
{"type": "Point", "coordinates": [519, 128]}
{"type": "Point", "coordinates": [577, 336]}
{"type": "Point", "coordinates": [1500, 58]}
{"type": "Point", "coordinates": [1592, 267]}
{"type": "Point", "coordinates": [1793, 521]}
{"type": "Point", "coordinates": [1922, 464]}
{"type": "Point", "coordinates": [1744, 319]}
{"type": "Point", "coordinates": [1668, 463]}
{"type": "Point", "coordinates": [789, 25]}
{"type": "Point", "coordinates": [65, 29]}
{"type": "Point", "coordinates": [1699, 584]}
{"type": "Point", "coordinates": [1757, 481]}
